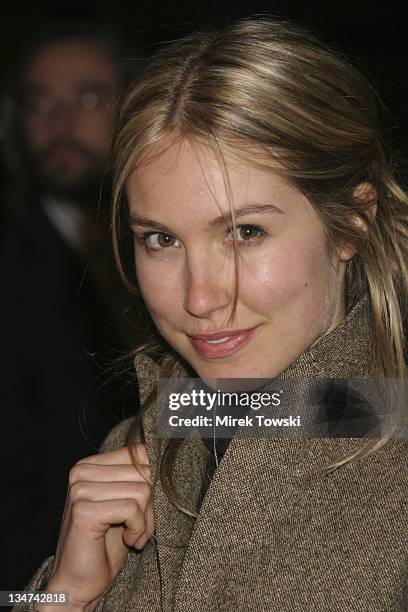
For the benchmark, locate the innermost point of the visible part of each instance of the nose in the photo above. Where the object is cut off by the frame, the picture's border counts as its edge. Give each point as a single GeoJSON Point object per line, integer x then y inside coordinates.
{"type": "Point", "coordinates": [209, 286]}
{"type": "Point", "coordinates": [62, 117]}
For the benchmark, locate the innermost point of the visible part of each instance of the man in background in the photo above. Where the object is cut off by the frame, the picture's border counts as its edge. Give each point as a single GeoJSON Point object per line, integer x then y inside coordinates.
{"type": "Point", "coordinates": [62, 304]}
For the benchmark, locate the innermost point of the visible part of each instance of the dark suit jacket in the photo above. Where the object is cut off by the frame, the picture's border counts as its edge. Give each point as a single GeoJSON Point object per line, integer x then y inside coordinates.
{"type": "Point", "coordinates": [55, 336]}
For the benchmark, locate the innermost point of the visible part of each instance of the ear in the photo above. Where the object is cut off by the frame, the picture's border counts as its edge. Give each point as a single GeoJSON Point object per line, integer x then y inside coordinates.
{"type": "Point", "coordinates": [365, 195]}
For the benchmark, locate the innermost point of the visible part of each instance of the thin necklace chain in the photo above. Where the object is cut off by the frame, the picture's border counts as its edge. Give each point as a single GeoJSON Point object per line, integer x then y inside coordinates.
{"type": "Point", "coordinates": [214, 437]}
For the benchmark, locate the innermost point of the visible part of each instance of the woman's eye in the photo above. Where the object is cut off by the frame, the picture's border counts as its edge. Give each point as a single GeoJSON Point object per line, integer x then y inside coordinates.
{"type": "Point", "coordinates": [158, 240]}
{"type": "Point", "coordinates": [248, 233]}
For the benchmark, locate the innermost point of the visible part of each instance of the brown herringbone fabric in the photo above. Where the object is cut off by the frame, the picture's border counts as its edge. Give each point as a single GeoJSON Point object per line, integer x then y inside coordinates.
{"type": "Point", "coordinates": [275, 533]}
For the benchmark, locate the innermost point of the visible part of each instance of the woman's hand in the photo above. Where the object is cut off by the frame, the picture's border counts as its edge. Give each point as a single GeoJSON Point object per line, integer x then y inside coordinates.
{"type": "Point", "coordinates": [109, 509]}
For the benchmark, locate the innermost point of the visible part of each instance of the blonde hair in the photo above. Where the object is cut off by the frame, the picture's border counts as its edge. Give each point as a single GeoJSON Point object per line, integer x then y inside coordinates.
{"type": "Point", "coordinates": [273, 91]}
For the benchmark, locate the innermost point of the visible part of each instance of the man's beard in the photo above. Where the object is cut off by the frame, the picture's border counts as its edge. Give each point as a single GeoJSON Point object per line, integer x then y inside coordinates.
{"type": "Point", "coordinates": [50, 180]}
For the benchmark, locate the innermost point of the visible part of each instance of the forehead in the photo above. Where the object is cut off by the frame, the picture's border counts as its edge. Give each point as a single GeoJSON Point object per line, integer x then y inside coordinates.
{"type": "Point", "coordinates": [193, 179]}
{"type": "Point", "coordinates": [70, 62]}
{"type": "Point", "coordinates": [180, 170]}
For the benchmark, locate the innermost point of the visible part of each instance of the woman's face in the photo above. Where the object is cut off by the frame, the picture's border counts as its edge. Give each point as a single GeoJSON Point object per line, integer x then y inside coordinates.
{"type": "Point", "coordinates": [291, 291]}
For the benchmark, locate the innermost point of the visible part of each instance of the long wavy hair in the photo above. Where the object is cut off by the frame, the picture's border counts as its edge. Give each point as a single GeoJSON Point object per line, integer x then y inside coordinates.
{"type": "Point", "coordinates": [271, 90]}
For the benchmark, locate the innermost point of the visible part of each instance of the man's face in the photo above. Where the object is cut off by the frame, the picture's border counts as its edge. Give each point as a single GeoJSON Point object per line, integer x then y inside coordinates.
{"type": "Point", "coordinates": [69, 91]}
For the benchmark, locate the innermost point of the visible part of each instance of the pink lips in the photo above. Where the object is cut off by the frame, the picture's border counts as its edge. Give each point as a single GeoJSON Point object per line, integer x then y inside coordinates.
{"type": "Point", "coordinates": [215, 346]}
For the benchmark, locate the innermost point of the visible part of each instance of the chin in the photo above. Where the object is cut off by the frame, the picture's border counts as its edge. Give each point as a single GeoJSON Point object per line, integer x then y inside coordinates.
{"type": "Point", "coordinates": [240, 374]}
{"type": "Point", "coordinates": [236, 384]}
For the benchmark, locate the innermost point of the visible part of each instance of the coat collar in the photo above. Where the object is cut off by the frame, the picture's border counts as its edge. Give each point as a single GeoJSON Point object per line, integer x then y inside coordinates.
{"type": "Point", "coordinates": [255, 475]}
{"type": "Point", "coordinates": [343, 353]}
{"type": "Point", "coordinates": [346, 352]}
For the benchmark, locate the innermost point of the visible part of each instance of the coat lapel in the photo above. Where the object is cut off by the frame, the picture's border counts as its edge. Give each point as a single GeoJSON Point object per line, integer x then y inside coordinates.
{"type": "Point", "coordinates": [172, 528]}
{"type": "Point", "coordinates": [259, 481]}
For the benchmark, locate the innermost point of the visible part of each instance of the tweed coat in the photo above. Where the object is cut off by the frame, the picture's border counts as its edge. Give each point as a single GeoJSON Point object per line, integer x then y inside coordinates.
{"type": "Point", "coordinates": [274, 532]}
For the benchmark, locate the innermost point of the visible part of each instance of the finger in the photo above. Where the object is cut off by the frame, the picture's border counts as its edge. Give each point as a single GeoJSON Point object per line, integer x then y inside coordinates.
{"type": "Point", "coordinates": [141, 542]}
{"type": "Point", "coordinates": [94, 518]}
{"type": "Point", "coordinates": [119, 456]}
{"type": "Point", "coordinates": [91, 472]}
{"type": "Point", "coordinates": [105, 491]}
{"type": "Point", "coordinates": [137, 540]}
{"type": "Point", "coordinates": [139, 452]}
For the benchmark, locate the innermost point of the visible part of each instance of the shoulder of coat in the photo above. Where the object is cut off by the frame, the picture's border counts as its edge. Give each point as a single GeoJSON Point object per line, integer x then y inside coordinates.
{"type": "Point", "coordinates": [117, 436]}
{"type": "Point", "coordinates": [149, 372]}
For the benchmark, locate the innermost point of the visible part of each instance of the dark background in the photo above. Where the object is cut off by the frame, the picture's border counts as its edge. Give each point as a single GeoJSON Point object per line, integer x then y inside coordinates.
{"type": "Point", "coordinates": [373, 35]}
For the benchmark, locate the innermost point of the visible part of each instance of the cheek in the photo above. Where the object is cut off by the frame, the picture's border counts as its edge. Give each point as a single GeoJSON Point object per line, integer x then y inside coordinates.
{"type": "Point", "coordinates": [285, 272]}
{"type": "Point", "coordinates": [94, 129]}
{"type": "Point", "coordinates": [159, 291]}
{"type": "Point", "coordinates": [36, 132]}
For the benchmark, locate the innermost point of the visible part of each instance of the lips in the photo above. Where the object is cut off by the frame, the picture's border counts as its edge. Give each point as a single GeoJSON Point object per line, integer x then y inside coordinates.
{"type": "Point", "coordinates": [221, 344]}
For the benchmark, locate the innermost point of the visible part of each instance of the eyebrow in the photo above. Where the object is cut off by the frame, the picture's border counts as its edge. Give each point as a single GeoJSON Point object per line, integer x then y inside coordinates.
{"type": "Point", "coordinates": [226, 219]}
